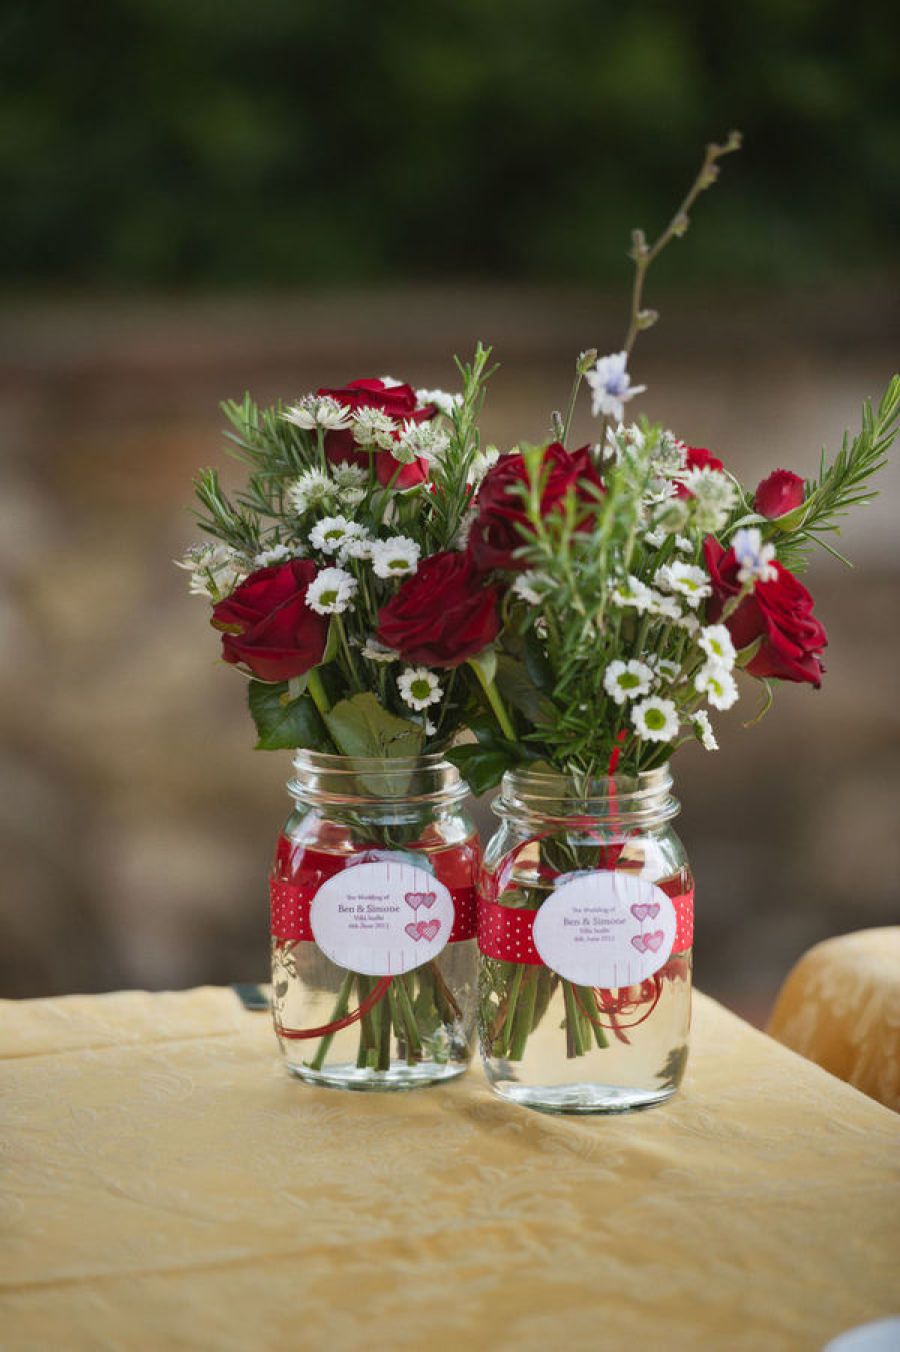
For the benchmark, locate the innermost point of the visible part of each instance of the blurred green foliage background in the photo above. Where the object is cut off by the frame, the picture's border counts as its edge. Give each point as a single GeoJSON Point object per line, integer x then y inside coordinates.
{"type": "Point", "coordinates": [148, 143]}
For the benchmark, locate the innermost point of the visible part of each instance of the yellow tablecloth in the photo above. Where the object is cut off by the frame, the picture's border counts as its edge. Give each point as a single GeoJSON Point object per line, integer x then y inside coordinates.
{"type": "Point", "coordinates": [840, 1006]}
{"type": "Point", "coordinates": [166, 1185]}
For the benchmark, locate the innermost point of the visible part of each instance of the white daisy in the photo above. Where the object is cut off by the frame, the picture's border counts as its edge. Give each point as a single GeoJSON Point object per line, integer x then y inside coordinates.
{"type": "Point", "coordinates": [350, 483]}
{"type": "Point", "coordinates": [377, 652]}
{"type": "Point", "coordinates": [686, 579]}
{"type": "Point", "coordinates": [656, 538]}
{"type": "Point", "coordinates": [665, 606]}
{"type": "Point", "coordinates": [312, 489]}
{"type": "Point", "coordinates": [442, 401]}
{"type": "Point", "coordinates": [329, 534]}
{"type": "Point", "coordinates": [611, 386]}
{"type": "Point", "coordinates": [717, 684]}
{"type": "Point", "coordinates": [703, 730]}
{"type": "Point", "coordinates": [627, 680]}
{"type": "Point", "coordinates": [689, 623]}
{"type": "Point", "coordinates": [391, 382]}
{"type": "Point", "coordinates": [277, 554]}
{"type": "Point", "coordinates": [754, 558]}
{"type": "Point", "coordinates": [715, 641]}
{"type": "Point", "coordinates": [331, 592]}
{"type": "Point", "coordinates": [419, 687]}
{"type": "Point", "coordinates": [655, 719]}
{"type": "Point", "coordinates": [684, 544]}
{"type": "Point", "coordinates": [632, 592]}
{"type": "Point", "coordinates": [667, 669]}
{"type": "Point", "coordinates": [395, 557]}
{"type": "Point", "coordinates": [318, 410]}
{"type": "Point", "coordinates": [215, 570]}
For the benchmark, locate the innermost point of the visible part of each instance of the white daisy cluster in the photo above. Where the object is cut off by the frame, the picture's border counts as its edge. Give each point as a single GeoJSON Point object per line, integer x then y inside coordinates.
{"type": "Point", "coordinates": [532, 587]}
{"type": "Point", "coordinates": [632, 592]}
{"type": "Point", "coordinates": [419, 688]}
{"type": "Point", "coordinates": [756, 561]}
{"type": "Point", "coordinates": [316, 411]}
{"type": "Point", "coordinates": [279, 553]}
{"type": "Point", "coordinates": [333, 534]}
{"type": "Point", "coordinates": [703, 730]}
{"type": "Point", "coordinates": [684, 579]}
{"type": "Point", "coordinates": [627, 680]}
{"type": "Point", "coordinates": [215, 569]}
{"type": "Point", "coordinates": [715, 679]}
{"type": "Point", "coordinates": [331, 592]}
{"type": "Point", "coordinates": [655, 719]}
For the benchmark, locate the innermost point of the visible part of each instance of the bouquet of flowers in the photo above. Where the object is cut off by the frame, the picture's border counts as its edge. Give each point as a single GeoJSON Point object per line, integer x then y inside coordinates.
{"type": "Point", "coordinates": [391, 587]}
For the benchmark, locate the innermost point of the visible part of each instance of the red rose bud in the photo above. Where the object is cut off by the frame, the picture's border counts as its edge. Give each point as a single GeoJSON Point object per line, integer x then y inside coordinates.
{"type": "Point", "coordinates": [399, 403]}
{"type": "Point", "coordinates": [442, 615]}
{"type": "Point", "coordinates": [267, 625]}
{"type": "Point", "coordinates": [697, 457]}
{"type": "Point", "coordinates": [779, 613]}
{"type": "Point", "coordinates": [500, 509]}
{"type": "Point", "coordinates": [780, 493]}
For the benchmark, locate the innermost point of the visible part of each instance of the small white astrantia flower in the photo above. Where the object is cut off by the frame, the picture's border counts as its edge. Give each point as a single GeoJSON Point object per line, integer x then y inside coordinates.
{"type": "Point", "coordinates": [318, 410]}
{"type": "Point", "coordinates": [277, 554]}
{"type": "Point", "coordinates": [442, 401]}
{"type": "Point", "coordinates": [712, 497]}
{"type": "Point", "coordinates": [632, 592]}
{"type": "Point", "coordinates": [627, 680]}
{"type": "Point", "coordinates": [481, 462]}
{"type": "Point", "coordinates": [395, 557]}
{"type": "Point", "coordinates": [672, 516]}
{"type": "Point", "coordinates": [715, 641]}
{"type": "Point", "coordinates": [331, 591]}
{"type": "Point", "coordinates": [419, 687]}
{"type": "Point", "coordinates": [332, 532]}
{"type": "Point", "coordinates": [312, 489]}
{"type": "Point", "coordinates": [755, 560]}
{"type": "Point", "coordinates": [717, 684]}
{"type": "Point", "coordinates": [532, 587]}
{"type": "Point", "coordinates": [655, 719]}
{"type": "Point", "coordinates": [350, 483]}
{"type": "Point", "coordinates": [703, 729]}
{"type": "Point", "coordinates": [377, 652]}
{"type": "Point", "coordinates": [467, 521]}
{"type": "Point", "coordinates": [373, 427]}
{"type": "Point", "coordinates": [427, 439]}
{"type": "Point", "coordinates": [611, 386]}
{"type": "Point", "coordinates": [668, 456]}
{"type": "Point", "coordinates": [215, 569]}
{"type": "Point", "coordinates": [686, 579]}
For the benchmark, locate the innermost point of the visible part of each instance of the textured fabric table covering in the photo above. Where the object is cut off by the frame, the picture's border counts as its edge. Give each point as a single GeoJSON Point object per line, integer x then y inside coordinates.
{"type": "Point", "coordinates": [840, 1006]}
{"type": "Point", "coordinates": [166, 1185]}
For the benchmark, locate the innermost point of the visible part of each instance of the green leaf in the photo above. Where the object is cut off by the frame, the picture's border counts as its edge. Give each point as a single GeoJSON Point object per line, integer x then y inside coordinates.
{"type": "Point", "coordinates": [283, 723]}
{"type": "Point", "coordinates": [537, 665]}
{"type": "Point", "coordinates": [481, 767]}
{"type": "Point", "coordinates": [518, 688]}
{"type": "Point", "coordinates": [360, 726]}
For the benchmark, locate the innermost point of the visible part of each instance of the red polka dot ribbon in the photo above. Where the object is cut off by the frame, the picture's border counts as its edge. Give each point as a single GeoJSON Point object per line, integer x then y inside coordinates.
{"type": "Point", "coordinates": [507, 932]}
{"type": "Point", "coordinates": [290, 905]}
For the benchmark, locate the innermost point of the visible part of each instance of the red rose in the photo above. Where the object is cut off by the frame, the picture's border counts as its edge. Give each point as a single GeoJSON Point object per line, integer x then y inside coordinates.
{"type": "Point", "coordinates": [442, 614]}
{"type": "Point", "coordinates": [269, 627]}
{"type": "Point", "coordinates": [495, 532]}
{"type": "Point", "coordinates": [697, 457]}
{"type": "Point", "coordinates": [779, 494]}
{"type": "Point", "coordinates": [779, 612]}
{"type": "Point", "coordinates": [399, 403]}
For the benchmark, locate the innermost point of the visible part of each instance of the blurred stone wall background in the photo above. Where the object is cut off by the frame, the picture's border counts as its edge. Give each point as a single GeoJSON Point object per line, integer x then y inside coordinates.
{"type": "Point", "coordinates": [137, 822]}
{"type": "Point", "coordinates": [202, 198]}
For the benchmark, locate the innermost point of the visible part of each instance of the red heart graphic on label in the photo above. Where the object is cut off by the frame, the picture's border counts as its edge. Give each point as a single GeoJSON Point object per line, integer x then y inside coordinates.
{"type": "Point", "coordinates": [417, 899]}
{"type": "Point", "coordinates": [412, 929]}
{"type": "Point", "coordinates": [653, 941]}
{"type": "Point", "coordinates": [638, 942]}
{"type": "Point", "coordinates": [429, 928]}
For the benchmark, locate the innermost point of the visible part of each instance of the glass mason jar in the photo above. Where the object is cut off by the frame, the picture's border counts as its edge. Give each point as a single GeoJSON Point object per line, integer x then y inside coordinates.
{"type": "Point", "coordinates": [373, 899]}
{"type": "Point", "coordinates": [585, 929]}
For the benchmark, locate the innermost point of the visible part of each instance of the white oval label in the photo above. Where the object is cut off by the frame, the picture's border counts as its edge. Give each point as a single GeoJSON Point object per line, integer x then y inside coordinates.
{"type": "Point", "coordinates": [382, 918]}
{"type": "Point", "coordinates": [606, 929]}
